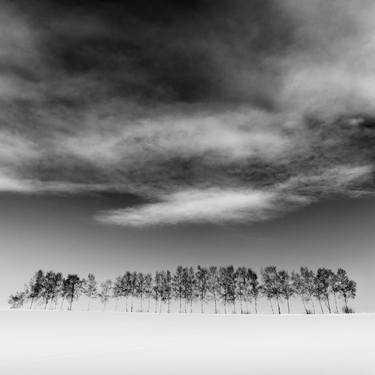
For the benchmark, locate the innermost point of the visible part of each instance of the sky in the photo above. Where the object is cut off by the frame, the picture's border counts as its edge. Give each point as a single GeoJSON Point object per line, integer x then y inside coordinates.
{"type": "Point", "coordinates": [147, 134]}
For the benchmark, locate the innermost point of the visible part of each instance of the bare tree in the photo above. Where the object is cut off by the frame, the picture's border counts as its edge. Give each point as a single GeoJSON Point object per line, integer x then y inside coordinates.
{"type": "Point", "coordinates": [254, 287]}
{"type": "Point", "coordinates": [227, 282]}
{"type": "Point", "coordinates": [117, 291]}
{"type": "Point", "coordinates": [71, 288]}
{"type": "Point", "coordinates": [300, 288]}
{"type": "Point", "coordinates": [270, 286]}
{"type": "Point", "coordinates": [286, 287]}
{"type": "Point", "coordinates": [148, 289]}
{"type": "Point", "coordinates": [52, 287]}
{"type": "Point", "coordinates": [140, 287]}
{"type": "Point", "coordinates": [213, 285]}
{"type": "Point", "coordinates": [347, 289]}
{"type": "Point", "coordinates": [105, 293]}
{"type": "Point", "coordinates": [322, 287]}
{"type": "Point", "coordinates": [189, 287]}
{"type": "Point", "coordinates": [166, 288]}
{"type": "Point", "coordinates": [241, 286]}
{"type": "Point", "coordinates": [17, 300]}
{"type": "Point", "coordinates": [334, 284]}
{"type": "Point", "coordinates": [157, 288]}
{"type": "Point", "coordinates": [36, 287]}
{"type": "Point", "coordinates": [178, 285]}
{"type": "Point", "coordinates": [202, 283]}
{"type": "Point", "coordinates": [127, 288]}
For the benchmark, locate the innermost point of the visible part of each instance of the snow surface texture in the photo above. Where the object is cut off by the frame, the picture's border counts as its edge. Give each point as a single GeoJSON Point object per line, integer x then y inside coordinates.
{"type": "Point", "coordinates": [75, 342]}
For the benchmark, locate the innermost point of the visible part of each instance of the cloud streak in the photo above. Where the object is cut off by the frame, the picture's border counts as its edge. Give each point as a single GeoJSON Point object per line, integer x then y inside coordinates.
{"type": "Point", "coordinates": [196, 206]}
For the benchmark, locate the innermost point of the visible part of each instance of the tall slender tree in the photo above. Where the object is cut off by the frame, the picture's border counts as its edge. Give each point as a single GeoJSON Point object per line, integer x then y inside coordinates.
{"type": "Point", "coordinates": [308, 279]}
{"type": "Point", "coordinates": [242, 286]}
{"type": "Point", "coordinates": [254, 288]}
{"type": "Point", "coordinates": [213, 285]}
{"type": "Point", "coordinates": [270, 287]}
{"type": "Point", "coordinates": [202, 284]}
{"type": "Point", "coordinates": [322, 287]}
{"type": "Point", "coordinates": [227, 282]}
{"type": "Point", "coordinates": [157, 288]}
{"type": "Point", "coordinates": [140, 288]}
{"type": "Point", "coordinates": [36, 287]}
{"type": "Point", "coordinates": [347, 288]}
{"type": "Point", "coordinates": [178, 286]}
{"type": "Point", "coordinates": [117, 290]}
{"type": "Point", "coordinates": [132, 289]}
{"type": "Point", "coordinates": [334, 285]}
{"type": "Point", "coordinates": [166, 289]}
{"type": "Point", "coordinates": [189, 287]}
{"type": "Point", "coordinates": [127, 288]}
{"type": "Point", "coordinates": [106, 289]}
{"type": "Point", "coordinates": [52, 287]}
{"type": "Point", "coordinates": [148, 290]}
{"type": "Point", "coordinates": [71, 288]}
{"type": "Point", "coordinates": [286, 287]}
{"type": "Point", "coordinates": [300, 288]}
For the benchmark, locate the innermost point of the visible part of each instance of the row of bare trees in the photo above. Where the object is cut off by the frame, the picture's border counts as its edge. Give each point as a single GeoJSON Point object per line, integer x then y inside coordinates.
{"type": "Point", "coordinates": [226, 289]}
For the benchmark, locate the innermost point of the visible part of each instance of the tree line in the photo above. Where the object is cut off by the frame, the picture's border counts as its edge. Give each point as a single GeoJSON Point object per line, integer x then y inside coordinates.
{"type": "Point", "coordinates": [226, 289]}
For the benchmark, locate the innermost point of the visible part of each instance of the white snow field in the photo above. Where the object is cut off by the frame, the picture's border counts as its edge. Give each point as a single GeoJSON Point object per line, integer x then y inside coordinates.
{"type": "Point", "coordinates": [35, 342]}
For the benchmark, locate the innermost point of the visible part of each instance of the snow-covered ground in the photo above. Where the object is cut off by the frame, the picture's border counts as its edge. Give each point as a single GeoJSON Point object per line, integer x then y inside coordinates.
{"type": "Point", "coordinates": [34, 342]}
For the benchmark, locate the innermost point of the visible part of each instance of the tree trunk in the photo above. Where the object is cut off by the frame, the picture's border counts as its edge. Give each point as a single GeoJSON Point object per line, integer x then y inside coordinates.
{"type": "Point", "coordinates": [313, 305]}
{"type": "Point", "coordinates": [256, 305]}
{"type": "Point", "coordinates": [335, 298]}
{"type": "Point", "coordinates": [328, 304]}
{"type": "Point", "coordinates": [269, 299]}
{"type": "Point", "coordinates": [62, 303]}
{"type": "Point", "coordinates": [215, 304]}
{"type": "Point", "coordinates": [131, 303]}
{"type": "Point", "coordinates": [321, 307]}
{"type": "Point", "coordinates": [148, 304]}
{"type": "Point", "coordinates": [304, 304]}
{"type": "Point", "coordinates": [287, 301]}
{"type": "Point", "coordinates": [346, 303]}
{"type": "Point", "coordinates": [278, 306]}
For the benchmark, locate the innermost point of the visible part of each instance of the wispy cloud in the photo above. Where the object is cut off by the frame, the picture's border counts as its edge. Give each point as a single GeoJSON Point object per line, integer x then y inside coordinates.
{"type": "Point", "coordinates": [341, 179]}
{"type": "Point", "coordinates": [216, 205]}
{"type": "Point", "coordinates": [196, 206]}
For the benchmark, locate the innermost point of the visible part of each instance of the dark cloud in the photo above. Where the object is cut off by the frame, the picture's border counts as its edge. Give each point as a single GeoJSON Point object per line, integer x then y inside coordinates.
{"type": "Point", "coordinates": [248, 102]}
